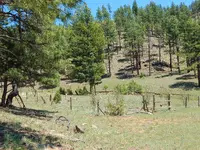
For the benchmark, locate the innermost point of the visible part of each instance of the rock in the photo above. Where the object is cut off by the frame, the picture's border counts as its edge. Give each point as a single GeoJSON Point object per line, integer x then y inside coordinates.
{"type": "Point", "coordinates": [78, 130]}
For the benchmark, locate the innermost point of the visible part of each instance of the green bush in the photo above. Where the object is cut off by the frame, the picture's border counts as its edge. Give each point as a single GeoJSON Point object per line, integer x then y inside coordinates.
{"type": "Point", "coordinates": [115, 109]}
{"type": "Point", "coordinates": [82, 91]}
{"type": "Point", "coordinates": [133, 87]}
{"type": "Point", "coordinates": [129, 88]}
{"type": "Point", "coordinates": [142, 75]}
{"type": "Point", "coordinates": [105, 87]}
{"type": "Point", "coordinates": [57, 98]}
{"type": "Point", "coordinates": [51, 80]}
{"type": "Point", "coordinates": [62, 91]}
{"type": "Point", "coordinates": [122, 89]}
{"type": "Point", "coordinates": [69, 92]}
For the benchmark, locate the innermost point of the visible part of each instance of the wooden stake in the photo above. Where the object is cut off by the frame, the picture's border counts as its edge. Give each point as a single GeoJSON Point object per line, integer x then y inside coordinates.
{"type": "Point", "coordinates": [154, 104]}
{"type": "Point", "coordinates": [144, 105]}
{"type": "Point", "coordinates": [198, 101]}
{"type": "Point", "coordinates": [169, 102]}
{"type": "Point", "coordinates": [70, 103]}
{"type": "Point", "coordinates": [186, 102]}
{"type": "Point", "coordinates": [98, 107]}
{"type": "Point", "coordinates": [50, 98]}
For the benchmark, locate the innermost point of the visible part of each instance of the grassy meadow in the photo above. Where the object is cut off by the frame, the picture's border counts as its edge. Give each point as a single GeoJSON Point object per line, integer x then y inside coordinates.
{"type": "Point", "coordinates": [36, 127]}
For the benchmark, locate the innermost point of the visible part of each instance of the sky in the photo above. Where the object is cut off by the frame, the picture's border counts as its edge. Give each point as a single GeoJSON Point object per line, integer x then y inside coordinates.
{"type": "Point", "coordinates": [94, 4]}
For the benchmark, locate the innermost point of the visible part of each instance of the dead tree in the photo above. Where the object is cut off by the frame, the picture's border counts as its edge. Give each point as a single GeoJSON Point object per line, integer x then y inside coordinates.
{"type": "Point", "coordinates": [14, 92]}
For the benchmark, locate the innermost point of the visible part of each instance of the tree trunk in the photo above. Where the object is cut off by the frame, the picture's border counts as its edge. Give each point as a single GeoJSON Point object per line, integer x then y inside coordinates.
{"type": "Point", "coordinates": [170, 55]}
{"type": "Point", "coordinates": [159, 40]}
{"type": "Point", "coordinates": [137, 60]}
{"type": "Point", "coordinates": [137, 63]}
{"type": "Point", "coordinates": [149, 52]}
{"type": "Point", "coordinates": [133, 59]}
{"type": "Point", "coordinates": [5, 86]}
{"type": "Point", "coordinates": [187, 64]}
{"type": "Point", "coordinates": [198, 69]}
{"type": "Point", "coordinates": [120, 46]}
{"type": "Point", "coordinates": [91, 88]}
{"type": "Point", "coordinates": [178, 60]}
{"type": "Point", "coordinates": [142, 50]}
{"type": "Point", "coordinates": [109, 61]}
{"type": "Point", "coordinates": [12, 94]}
{"type": "Point", "coordinates": [139, 57]}
{"type": "Point", "coordinates": [132, 62]}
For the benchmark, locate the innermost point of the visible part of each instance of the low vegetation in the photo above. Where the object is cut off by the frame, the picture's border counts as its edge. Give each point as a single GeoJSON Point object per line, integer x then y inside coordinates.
{"type": "Point", "coordinates": [130, 88]}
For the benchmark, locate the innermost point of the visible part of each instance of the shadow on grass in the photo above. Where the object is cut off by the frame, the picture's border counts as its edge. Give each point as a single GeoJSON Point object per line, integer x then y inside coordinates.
{"type": "Point", "coordinates": [124, 73]}
{"type": "Point", "coordinates": [32, 113]}
{"type": "Point", "coordinates": [186, 77]}
{"type": "Point", "coordinates": [123, 60]}
{"type": "Point", "coordinates": [184, 85]}
{"type": "Point", "coordinates": [14, 136]}
{"type": "Point", "coordinates": [168, 75]}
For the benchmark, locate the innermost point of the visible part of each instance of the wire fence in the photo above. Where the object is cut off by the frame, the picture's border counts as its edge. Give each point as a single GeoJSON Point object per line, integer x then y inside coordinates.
{"type": "Point", "coordinates": [151, 102]}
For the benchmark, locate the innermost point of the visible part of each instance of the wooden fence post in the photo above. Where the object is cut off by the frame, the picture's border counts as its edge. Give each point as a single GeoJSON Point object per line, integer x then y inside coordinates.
{"type": "Point", "coordinates": [154, 104]}
{"type": "Point", "coordinates": [169, 102]}
{"type": "Point", "coordinates": [98, 107]}
{"type": "Point", "coordinates": [50, 98]}
{"type": "Point", "coordinates": [198, 101]}
{"type": "Point", "coordinates": [70, 103]}
{"type": "Point", "coordinates": [144, 103]}
{"type": "Point", "coordinates": [186, 101]}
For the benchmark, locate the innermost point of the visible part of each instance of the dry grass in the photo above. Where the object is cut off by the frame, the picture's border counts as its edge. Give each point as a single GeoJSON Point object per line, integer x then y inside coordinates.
{"type": "Point", "coordinates": [162, 130]}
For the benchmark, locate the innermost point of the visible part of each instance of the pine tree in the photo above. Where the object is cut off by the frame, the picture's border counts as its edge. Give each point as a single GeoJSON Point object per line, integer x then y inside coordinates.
{"type": "Point", "coordinates": [87, 44]}
{"type": "Point", "coordinates": [27, 52]}
{"type": "Point", "coordinates": [110, 33]}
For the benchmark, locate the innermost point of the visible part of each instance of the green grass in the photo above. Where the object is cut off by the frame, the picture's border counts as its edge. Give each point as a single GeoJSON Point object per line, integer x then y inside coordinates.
{"type": "Point", "coordinates": [176, 129]}
{"type": "Point", "coordinates": [36, 128]}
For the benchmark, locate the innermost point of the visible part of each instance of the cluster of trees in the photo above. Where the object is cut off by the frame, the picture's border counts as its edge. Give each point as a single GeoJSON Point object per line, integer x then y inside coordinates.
{"type": "Point", "coordinates": [175, 27]}
{"type": "Point", "coordinates": [33, 47]}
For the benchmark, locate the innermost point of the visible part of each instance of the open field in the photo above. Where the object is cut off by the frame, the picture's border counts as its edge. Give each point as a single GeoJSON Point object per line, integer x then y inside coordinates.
{"type": "Point", "coordinates": [36, 128]}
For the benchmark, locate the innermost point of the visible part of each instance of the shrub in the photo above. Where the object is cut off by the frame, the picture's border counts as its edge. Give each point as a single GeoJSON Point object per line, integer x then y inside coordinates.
{"type": "Point", "coordinates": [83, 91]}
{"type": "Point", "coordinates": [57, 98]}
{"type": "Point", "coordinates": [69, 92]}
{"type": "Point", "coordinates": [129, 88]}
{"type": "Point", "coordinates": [62, 91]}
{"type": "Point", "coordinates": [116, 109]}
{"type": "Point", "coordinates": [105, 87]}
{"type": "Point", "coordinates": [142, 75]}
{"type": "Point", "coordinates": [121, 89]}
{"type": "Point", "coordinates": [133, 87]}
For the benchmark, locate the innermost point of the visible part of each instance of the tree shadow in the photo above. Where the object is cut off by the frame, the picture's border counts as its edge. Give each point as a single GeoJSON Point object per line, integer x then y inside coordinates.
{"type": "Point", "coordinates": [123, 60]}
{"type": "Point", "coordinates": [14, 136]}
{"type": "Point", "coordinates": [186, 77]}
{"type": "Point", "coordinates": [168, 75]}
{"type": "Point", "coordinates": [32, 113]}
{"type": "Point", "coordinates": [106, 76]}
{"type": "Point", "coordinates": [125, 73]}
{"type": "Point", "coordinates": [184, 85]}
